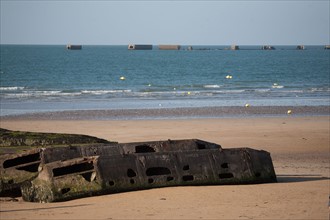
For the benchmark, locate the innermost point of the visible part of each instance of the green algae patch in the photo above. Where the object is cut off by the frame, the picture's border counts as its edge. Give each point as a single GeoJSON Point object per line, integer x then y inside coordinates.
{"type": "Point", "coordinates": [60, 181]}
{"type": "Point", "coordinates": [21, 154]}
{"type": "Point", "coordinates": [17, 141]}
{"type": "Point", "coordinates": [59, 189]}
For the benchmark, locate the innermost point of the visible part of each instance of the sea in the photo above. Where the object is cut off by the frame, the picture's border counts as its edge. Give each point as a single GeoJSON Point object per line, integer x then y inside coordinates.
{"type": "Point", "coordinates": [48, 78]}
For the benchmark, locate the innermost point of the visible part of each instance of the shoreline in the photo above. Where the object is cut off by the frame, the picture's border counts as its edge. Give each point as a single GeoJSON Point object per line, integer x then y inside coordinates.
{"type": "Point", "coordinates": [175, 113]}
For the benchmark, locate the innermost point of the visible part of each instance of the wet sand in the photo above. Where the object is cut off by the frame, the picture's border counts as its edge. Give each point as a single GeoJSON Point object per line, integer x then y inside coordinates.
{"type": "Point", "coordinates": [177, 113]}
{"type": "Point", "coordinates": [299, 147]}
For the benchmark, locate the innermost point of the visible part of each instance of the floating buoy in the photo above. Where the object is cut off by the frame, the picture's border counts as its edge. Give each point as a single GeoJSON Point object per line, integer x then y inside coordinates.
{"type": "Point", "coordinates": [229, 77]}
{"type": "Point", "coordinates": [188, 93]}
{"type": "Point", "coordinates": [277, 86]}
{"type": "Point", "coordinates": [149, 85]}
{"type": "Point", "coordinates": [289, 111]}
{"type": "Point", "coordinates": [122, 78]}
{"type": "Point", "coordinates": [247, 105]}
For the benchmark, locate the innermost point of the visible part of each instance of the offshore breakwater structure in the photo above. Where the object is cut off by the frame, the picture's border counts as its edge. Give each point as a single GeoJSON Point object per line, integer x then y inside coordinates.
{"type": "Point", "coordinates": [73, 47]}
{"type": "Point", "coordinates": [189, 48]}
{"type": "Point", "coordinates": [231, 47]}
{"type": "Point", "coordinates": [62, 171]}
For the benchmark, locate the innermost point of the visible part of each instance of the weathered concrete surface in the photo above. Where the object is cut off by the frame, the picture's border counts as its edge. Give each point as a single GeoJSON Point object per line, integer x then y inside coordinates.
{"type": "Point", "coordinates": [140, 47]}
{"type": "Point", "coordinates": [169, 47]}
{"type": "Point", "coordinates": [166, 146]}
{"type": "Point", "coordinates": [16, 169]}
{"type": "Point", "coordinates": [97, 175]}
{"type": "Point", "coordinates": [72, 167]}
{"type": "Point", "coordinates": [77, 179]}
{"type": "Point", "coordinates": [22, 152]}
{"type": "Point", "coordinates": [16, 141]}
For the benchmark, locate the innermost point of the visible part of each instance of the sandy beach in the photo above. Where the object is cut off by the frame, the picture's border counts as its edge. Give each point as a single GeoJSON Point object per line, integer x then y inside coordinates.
{"type": "Point", "coordinates": [299, 147]}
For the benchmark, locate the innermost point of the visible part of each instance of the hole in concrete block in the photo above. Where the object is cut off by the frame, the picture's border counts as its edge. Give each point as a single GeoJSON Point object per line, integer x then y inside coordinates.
{"type": "Point", "coordinates": [224, 165]}
{"type": "Point", "coordinates": [226, 175]}
{"type": "Point", "coordinates": [144, 149]}
{"type": "Point", "coordinates": [153, 171]}
{"type": "Point", "coordinates": [76, 168]}
{"type": "Point", "coordinates": [131, 173]}
{"type": "Point", "coordinates": [13, 192]}
{"type": "Point", "coordinates": [169, 178]}
{"type": "Point", "coordinates": [21, 160]}
{"type": "Point", "coordinates": [188, 178]}
{"type": "Point", "coordinates": [201, 146]}
{"type": "Point", "coordinates": [30, 168]}
{"type": "Point", "coordinates": [65, 190]}
{"type": "Point", "coordinates": [185, 167]}
{"type": "Point", "coordinates": [111, 183]}
{"type": "Point", "coordinates": [257, 174]}
{"type": "Point", "coordinates": [90, 176]}
{"type": "Point", "coordinates": [132, 181]}
{"type": "Point", "coordinates": [150, 180]}
{"type": "Point", "coordinates": [94, 151]}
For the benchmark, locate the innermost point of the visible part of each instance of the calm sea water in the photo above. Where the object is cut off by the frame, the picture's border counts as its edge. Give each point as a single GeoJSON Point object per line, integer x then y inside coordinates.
{"type": "Point", "coordinates": [52, 78]}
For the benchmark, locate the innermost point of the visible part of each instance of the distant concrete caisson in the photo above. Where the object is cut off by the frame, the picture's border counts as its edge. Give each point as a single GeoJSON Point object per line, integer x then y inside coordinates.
{"type": "Point", "coordinates": [73, 47]}
{"type": "Point", "coordinates": [140, 47]}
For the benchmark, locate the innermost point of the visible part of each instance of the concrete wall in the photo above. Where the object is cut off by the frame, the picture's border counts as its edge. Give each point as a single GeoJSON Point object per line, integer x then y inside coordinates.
{"type": "Point", "coordinates": [169, 47]}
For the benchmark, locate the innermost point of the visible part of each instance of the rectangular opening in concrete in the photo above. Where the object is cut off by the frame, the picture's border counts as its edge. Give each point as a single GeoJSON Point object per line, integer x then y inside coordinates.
{"type": "Point", "coordinates": [188, 178]}
{"type": "Point", "coordinates": [30, 168]}
{"type": "Point", "coordinates": [131, 173]}
{"type": "Point", "coordinates": [144, 149]}
{"type": "Point", "coordinates": [224, 165]}
{"type": "Point", "coordinates": [76, 168]}
{"type": "Point", "coordinates": [154, 171]}
{"type": "Point", "coordinates": [21, 160]}
{"type": "Point", "coordinates": [201, 146]}
{"type": "Point", "coordinates": [226, 175]}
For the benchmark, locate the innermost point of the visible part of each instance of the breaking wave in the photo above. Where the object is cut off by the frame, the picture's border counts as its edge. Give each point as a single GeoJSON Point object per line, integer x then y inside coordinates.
{"type": "Point", "coordinates": [211, 86]}
{"type": "Point", "coordinates": [11, 88]}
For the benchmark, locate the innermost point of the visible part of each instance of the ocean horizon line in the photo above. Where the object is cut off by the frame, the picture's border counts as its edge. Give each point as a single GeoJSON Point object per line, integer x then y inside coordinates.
{"type": "Point", "coordinates": [155, 44]}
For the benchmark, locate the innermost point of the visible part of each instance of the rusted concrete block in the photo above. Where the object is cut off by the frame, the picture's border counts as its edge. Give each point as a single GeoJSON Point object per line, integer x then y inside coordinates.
{"type": "Point", "coordinates": [22, 152]}
{"type": "Point", "coordinates": [95, 175]}
{"type": "Point", "coordinates": [66, 180]}
{"type": "Point", "coordinates": [167, 146]}
{"type": "Point", "coordinates": [54, 173]}
{"type": "Point", "coordinates": [16, 140]}
{"type": "Point", "coordinates": [15, 169]}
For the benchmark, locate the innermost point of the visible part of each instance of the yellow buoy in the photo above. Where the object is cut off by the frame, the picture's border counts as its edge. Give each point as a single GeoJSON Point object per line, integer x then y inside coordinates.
{"type": "Point", "coordinates": [122, 78]}
{"type": "Point", "coordinates": [289, 111]}
{"type": "Point", "coordinates": [247, 105]}
{"type": "Point", "coordinates": [188, 93]}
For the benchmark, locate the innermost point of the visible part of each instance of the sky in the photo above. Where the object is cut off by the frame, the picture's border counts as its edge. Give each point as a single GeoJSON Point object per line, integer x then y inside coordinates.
{"type": "Point", "coordinates": [213, 22]}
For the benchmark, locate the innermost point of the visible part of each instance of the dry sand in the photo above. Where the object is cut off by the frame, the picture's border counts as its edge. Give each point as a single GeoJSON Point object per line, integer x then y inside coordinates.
{"type": "Point", "coordinates": [299, 147]}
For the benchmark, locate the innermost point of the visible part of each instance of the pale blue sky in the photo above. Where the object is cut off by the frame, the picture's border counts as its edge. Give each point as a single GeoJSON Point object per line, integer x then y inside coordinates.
{"type": "Point", "coordinates": [165, 22]}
